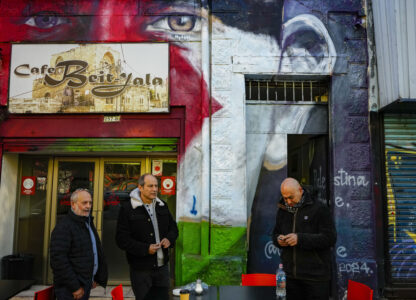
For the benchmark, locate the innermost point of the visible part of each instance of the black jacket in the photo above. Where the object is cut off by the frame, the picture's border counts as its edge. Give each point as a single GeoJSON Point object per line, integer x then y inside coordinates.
{"type": "Point", "coordinates": [135, 233]}
{"type": "Point", "coordinates": [310, 259]}
{"type": "Point", "coordinates": [71, 254]}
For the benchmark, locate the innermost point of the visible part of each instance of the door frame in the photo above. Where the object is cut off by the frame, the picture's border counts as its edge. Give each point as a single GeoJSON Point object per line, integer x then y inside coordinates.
{"type": "Point", "coordinates": [98, 196]}
{"type": "Point", "coordinates": [52, 203]}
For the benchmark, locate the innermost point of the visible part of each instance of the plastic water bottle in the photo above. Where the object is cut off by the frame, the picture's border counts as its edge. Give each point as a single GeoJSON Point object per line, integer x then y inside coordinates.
{"type": "Point", "coordinates": [280, 283]}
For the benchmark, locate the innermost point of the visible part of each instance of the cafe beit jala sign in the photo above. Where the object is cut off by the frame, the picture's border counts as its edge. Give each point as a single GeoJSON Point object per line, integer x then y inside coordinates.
{"type": "Point", "coordinates": [89, 78]}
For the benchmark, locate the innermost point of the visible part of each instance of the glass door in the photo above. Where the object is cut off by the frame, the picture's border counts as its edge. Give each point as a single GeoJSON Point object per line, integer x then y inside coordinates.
{"type": "Point", "coordinates": [118, 177]}
{"type": "Point", "coordinates": [110, 181]}
{"type": "Point", "coordinates": [71, 174]}
{"type": "Point", "coordinates": [33, 209]}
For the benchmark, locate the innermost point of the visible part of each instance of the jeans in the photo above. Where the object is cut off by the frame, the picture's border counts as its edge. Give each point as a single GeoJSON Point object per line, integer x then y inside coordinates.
{"type": "Point", "coordinates": [297, 289]}
{"type": "Point", "coordinates": [151, 285]}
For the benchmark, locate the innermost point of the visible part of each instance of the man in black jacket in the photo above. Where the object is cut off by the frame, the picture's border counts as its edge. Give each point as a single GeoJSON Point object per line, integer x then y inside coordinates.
{"type": "Point", "coordinates": [146, 230]}
{"type": "Point", "coordinates": [77, 258]}
{"type": "Point", "coordinates": [305, 233]}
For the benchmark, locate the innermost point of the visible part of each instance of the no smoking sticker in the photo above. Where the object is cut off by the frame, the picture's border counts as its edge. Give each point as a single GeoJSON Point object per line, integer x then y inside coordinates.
{"type": "Point", "coordinates": [168, 185]}
{"type": "Point", "coordinates": [28, 185]}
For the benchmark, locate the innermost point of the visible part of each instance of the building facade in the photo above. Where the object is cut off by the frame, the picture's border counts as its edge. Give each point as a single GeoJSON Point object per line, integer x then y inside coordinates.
{"type": "Point", "coordinates": [254, 91]}
{"type": "Point", "coordinates": [392, 116]}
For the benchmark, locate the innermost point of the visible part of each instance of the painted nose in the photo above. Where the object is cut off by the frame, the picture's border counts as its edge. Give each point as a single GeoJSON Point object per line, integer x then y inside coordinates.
{"type": "Point", "coordinates": [118, 21]}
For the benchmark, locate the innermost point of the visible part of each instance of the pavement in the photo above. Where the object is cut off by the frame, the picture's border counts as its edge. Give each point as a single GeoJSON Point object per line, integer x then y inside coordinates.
{"type": "Point", "coordinates": [99, 293]}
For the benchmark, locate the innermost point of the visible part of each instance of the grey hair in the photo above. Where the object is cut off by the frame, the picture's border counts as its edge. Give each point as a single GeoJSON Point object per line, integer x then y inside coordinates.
{"type": "Point", "coordinates": [141, 179]}
{"type": "Point", "coordinates": [74, 195]}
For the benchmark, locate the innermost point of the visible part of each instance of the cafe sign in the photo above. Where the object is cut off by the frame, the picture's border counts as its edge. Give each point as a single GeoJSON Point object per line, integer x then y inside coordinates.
{"type": "Point", "coordinates": [89, 78]}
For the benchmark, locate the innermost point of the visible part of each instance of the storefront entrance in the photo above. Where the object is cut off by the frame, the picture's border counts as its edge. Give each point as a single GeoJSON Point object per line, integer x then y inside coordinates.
{"type": "Point", "coordinates": [109, 180]}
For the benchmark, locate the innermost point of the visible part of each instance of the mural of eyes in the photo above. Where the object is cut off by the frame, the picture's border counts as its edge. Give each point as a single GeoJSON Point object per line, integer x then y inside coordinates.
{"type": "Point", "coordinates": [181, 23]}
{"type": "Point", "coordinates": [46, 20]}
{"type": "Point", "coordinates": [176, 24]}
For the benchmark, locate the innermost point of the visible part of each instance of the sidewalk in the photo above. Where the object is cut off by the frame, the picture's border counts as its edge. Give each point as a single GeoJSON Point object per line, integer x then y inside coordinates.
{"type": "Point", "coordinates": [98, 293]}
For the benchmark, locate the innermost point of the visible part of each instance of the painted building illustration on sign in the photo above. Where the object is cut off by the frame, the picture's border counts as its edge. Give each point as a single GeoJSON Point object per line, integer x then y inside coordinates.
{"type": "Point", "coordinates": [89, 78]}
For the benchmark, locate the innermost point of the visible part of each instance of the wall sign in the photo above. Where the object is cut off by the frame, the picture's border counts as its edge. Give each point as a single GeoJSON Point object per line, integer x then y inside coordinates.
{"type": "Point", "coordinates": [28, 185]}
{"type": "Point", "coordinates": [157, 167]}
{"type": "Point", "coordinates": [89, 78]}
{"type": "Point", "coordinates": [168, 184]}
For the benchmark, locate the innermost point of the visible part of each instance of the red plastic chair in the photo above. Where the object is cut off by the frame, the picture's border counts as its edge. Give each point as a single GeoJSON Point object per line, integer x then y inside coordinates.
{"type": "Point", "coordinates": [117, 293]}
{"type": "Point", "coordinates": [45, 294]}
{"type": "Point", "coordinates": [258, 279]}
{"type": "Point", "coordinates": [359, 291]}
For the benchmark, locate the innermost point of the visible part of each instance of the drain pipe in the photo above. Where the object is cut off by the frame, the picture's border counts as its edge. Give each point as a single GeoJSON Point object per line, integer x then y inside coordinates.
{"type": "Point", "coordinates": [206, 129]}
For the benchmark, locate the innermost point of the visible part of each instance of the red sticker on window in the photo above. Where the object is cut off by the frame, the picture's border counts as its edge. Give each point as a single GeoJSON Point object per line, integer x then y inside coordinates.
{"type": "Point", "coordinates": [168, 185]}
{"type": "Point", "coordinates": [28, 185]}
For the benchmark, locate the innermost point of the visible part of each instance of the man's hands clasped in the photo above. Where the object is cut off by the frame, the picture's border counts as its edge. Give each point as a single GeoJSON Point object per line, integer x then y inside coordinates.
{"type": "Point", "coordinates": [165, 243]}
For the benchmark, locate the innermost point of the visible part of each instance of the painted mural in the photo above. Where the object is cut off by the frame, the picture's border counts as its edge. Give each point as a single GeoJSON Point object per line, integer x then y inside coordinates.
{"type": "Point", "coordinates": [400, 195]}
{"type": "Point", "coordinates": [400, 158]}
{"type": "Point", "coordinates": [236, 154]}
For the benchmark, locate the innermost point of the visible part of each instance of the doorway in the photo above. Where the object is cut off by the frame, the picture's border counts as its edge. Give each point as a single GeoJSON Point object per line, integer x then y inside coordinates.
{"type": "Point", "coordinates": [109, 180]}
{"type": "Point", "coordinates": [307, 162]}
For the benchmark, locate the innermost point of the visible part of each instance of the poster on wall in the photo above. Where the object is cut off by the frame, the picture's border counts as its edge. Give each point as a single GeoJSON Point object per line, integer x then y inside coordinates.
{"type": "Point", "coordinates": [157, 168]}
{"type": "Point", "coordinates": [89, 78]}
{"type": "Point", "coordinates": [28, 185]}
{"type": "Point", "coordinates": [167, 185]}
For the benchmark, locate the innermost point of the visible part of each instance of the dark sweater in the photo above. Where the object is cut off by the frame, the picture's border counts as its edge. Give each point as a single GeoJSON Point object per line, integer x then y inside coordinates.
{"type": "Point", "coordinates": [71, 254]}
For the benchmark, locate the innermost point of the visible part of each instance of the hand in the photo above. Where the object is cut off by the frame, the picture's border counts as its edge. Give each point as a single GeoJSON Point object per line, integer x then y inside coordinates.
{"type": "Point", "coordinates": [153, 248]}
{"type": "Point", "coordinates": [94, 285]}
{"type": "Point", "coordinates": [165, 243]}
{"type": "Point", "coordinates": [78, 293]}
{"type": "Point", "coordinates": [291, 239]}
{"type": "Point", "coordinates": [281, 239]}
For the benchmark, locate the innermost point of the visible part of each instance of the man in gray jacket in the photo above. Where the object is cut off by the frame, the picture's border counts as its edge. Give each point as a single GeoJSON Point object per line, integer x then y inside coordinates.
{"type": "Point", "coordinates": [146, 231]}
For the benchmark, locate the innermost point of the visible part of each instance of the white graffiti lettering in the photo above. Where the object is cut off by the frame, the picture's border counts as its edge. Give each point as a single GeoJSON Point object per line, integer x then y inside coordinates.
{"type": "Point", "coordinates": [354, 268]}
{"type": "Point", "coordinates": [339, 202]}
{"type": "Point", "coordinates": [342, 251]}
{"type": "Point", "coordinates": [344, 179]}
{"type": "Point", "coordinates": [320, 184]}
{"type": "Point", "coordinates": [270, 250]}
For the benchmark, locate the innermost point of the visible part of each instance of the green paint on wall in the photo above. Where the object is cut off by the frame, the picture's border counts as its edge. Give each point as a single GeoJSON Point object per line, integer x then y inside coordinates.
{"type": "Point", "coordinates": [223, 264]}
{"type": "Point", "coordinates": [192, 238]}
{"type": "Point", "coordinates": [113, 144]}
{"type": "Point", "coordinates": [223, 237]}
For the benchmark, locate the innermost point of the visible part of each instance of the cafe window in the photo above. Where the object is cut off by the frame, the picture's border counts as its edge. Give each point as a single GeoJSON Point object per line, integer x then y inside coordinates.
{"type": "Point", "coordinates": [31, 211]}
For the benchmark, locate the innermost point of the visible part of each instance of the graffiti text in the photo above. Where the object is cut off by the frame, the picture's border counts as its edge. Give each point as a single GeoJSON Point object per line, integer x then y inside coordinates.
{"type": "Point", "coordinates": [270, 249]}
{"type": "Point", "coordinates": [354, 268]}
{"type": "Point", "coordinates": [344, 179]}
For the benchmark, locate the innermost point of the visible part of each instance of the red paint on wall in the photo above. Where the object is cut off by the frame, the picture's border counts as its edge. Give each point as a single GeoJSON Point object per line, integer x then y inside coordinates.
{"type": "Point", "coordinates": [4, 71]}
{"type": "Point", "coordinates": [134, 21]}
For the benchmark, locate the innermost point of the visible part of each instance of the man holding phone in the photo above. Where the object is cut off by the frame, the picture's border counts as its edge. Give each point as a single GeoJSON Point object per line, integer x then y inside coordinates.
{"type": "Point", "coordinates": [305, 233]}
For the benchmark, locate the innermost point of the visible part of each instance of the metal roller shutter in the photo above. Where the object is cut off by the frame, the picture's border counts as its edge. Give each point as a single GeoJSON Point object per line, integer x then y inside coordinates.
{"type": "Point", "coordinates": [400, 151]}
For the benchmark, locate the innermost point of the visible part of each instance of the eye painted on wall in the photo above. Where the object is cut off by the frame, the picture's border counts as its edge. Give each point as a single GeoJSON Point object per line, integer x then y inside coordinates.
{"type": "Point", "coordinates": [176, 24]}
{"type": "Point", "coordinates": [46, 20]}
{"type": "Point", "coordinates": [181, 23]}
